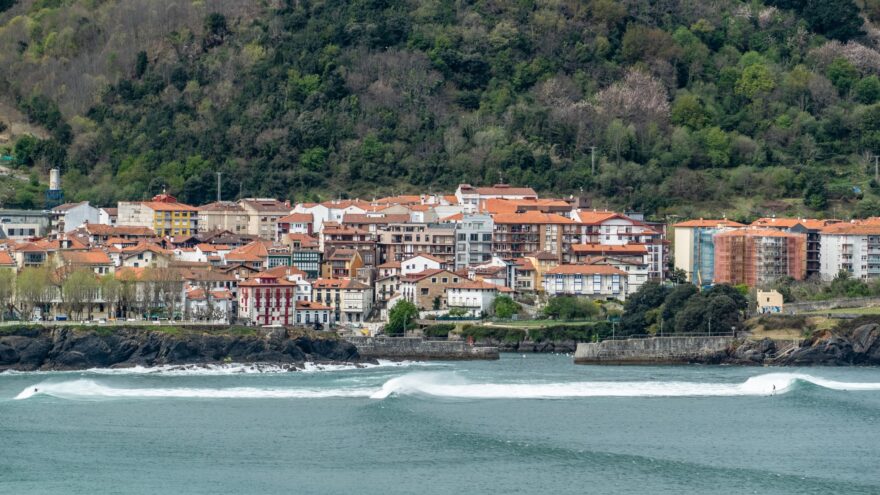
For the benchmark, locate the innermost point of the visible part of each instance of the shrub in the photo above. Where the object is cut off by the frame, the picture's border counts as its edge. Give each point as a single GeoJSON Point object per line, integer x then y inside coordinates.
{"type": "Point", "coordinates": [440, 330]}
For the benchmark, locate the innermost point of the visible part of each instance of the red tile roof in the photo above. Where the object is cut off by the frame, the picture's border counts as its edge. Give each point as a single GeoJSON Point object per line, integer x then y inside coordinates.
{"type": "Point", "coordinates": [702, 223]}
{"type": "Point", "coordinates": [91, 257]}
{"type": "Point", "coordinates": [531, 217]}
{"type": "Point", "coordinates": [6, 259]}
{"type": "Point", "coordinates": [297, 218]}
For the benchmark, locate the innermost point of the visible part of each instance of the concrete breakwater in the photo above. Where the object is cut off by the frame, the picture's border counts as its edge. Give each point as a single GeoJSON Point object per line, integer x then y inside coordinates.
{"type": "Point", "coordinates": [653, 350]}
{"type": "Point", "coordinates": [418, 348]}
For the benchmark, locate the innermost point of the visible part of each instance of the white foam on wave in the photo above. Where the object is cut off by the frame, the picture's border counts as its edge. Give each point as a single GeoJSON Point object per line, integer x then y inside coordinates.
{"type": "Point", "coordinates": [228, 369]}
{"type": "Point", "coordinates": [432, 384]}
{"type": "Point", "coordinates": [450, 385]}
{"type": "Point", "coordinates": [90, 389]}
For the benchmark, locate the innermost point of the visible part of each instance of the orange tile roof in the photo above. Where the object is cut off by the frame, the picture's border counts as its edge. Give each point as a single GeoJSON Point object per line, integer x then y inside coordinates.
{"type": "Point", "coordinates": [390, 264]}
{"type": "Point", "coordinates": [6, 259]}
{"type": "Point", "coordinates": [91, 257]}
{"type": "Point", "coordinates": [495, 206]}
{"type": "Point", "coordinates": [404, 199]}
{"type": "Point", "coordinates": [163, 206]}
{"type": "Point", "coordinates": [307, 305]}
{"type": "Point", "coordinates": [596, 217]}
{"type": "Point", "coordinates": [531, 217]}
{"type": "Point", "coordinates": [297, 218]}
{"type": "Point", "coordinates": [262, 279]}
{"type": "Point", "coordinates": [701, 223]}
{"type": "Point", "coordinates": [415, 277]}
{"type": "Point", "coordinates": [585, 270]}
{"type": "Point", "coordinates": [524, 264]}
{"type": "Point", "coordinates": [118, 230]}
{"type": "Point", "coordinates": [363, 218]}
{"type": "Point", "coordinates": [345, 203]}
{"type": "Point", "coordinates": [504, 189]}
{"type": "Point", "coordinates": [304, 240]}
{"type": "Point", "coordinates": [254, 251]}
{"type": "Point", "coordinates": [756, 232]}
{"type": "Point", "coordinates": [142, 247]}
{"type": "Point", "coordinates": [453, 218]}
{"type": "Point", "coordinates": [451, 199]}
{"type": "Point", "coordinates": [849, 228]}
{"type": "Point", "coordinates": [283, 271]}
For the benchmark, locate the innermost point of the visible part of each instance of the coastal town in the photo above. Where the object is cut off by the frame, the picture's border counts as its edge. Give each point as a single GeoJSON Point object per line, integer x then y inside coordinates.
{"type": "Point", "coordinates": [345, 263]}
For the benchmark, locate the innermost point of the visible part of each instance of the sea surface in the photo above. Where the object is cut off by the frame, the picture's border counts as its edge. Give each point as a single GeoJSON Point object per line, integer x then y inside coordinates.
{"type": "Point", "coordinates": [525, 424]}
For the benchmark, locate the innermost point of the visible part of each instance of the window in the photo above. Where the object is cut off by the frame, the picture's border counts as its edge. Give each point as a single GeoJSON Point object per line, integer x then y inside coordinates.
{"type": "Point", "coordinates": [424, 291]}
{"type": "Point", "coordinates": [444, 279]}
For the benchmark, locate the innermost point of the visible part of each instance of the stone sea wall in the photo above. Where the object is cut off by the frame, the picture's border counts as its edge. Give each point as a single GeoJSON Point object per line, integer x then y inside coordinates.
{"type": "Point", "coordinates": [417, 348]}
{"type": "Point", "coordinates": [652, 350]}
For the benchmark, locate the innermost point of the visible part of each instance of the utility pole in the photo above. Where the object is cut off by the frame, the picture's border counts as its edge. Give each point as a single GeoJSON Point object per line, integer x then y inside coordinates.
{"type": "Point", "coordinates": [218, 186]}
{"type": "Point", "coordinates": [592, 160]}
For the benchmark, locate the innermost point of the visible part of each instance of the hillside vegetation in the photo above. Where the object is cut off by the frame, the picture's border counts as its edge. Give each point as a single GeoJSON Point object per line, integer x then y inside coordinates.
{"type": "Point", "coordinates": [695, 108]}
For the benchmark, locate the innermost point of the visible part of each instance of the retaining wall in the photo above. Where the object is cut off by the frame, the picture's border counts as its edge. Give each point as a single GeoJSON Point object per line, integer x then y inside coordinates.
{"type": "Point", "coordinates": [651, 350]}
{"type": "Point", "coordinates": [420, 349]}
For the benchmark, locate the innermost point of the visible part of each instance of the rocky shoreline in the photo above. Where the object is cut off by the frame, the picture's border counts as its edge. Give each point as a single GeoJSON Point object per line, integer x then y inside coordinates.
{"type": "Point", "coordinates": [859, 346]}
{"type": "Point", "coordinates": [68, 348]}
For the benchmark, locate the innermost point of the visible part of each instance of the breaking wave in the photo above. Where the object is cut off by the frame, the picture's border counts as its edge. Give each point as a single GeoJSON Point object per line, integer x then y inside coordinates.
{"type": "Point", "coordinates": [449, 385]}
{"type": "Point", "coordinates": [90, 389]}
{"type": "Point", "coordinates": [429, 384]}
{"type": "Point", "coordinates": [227, 369]}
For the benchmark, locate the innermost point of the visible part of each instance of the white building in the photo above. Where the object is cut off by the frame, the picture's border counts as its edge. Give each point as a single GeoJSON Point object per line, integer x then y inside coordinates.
{"type": "Point", "coordinates": [610, 228]}
{"type": "Point", "coordinates": [476, 297]}
{"type": "Point", "coordinates": [311, 313]}
{"type": "Point", "coordinates": [421, 263]}
{"type": "Point", "coordinates": [107, 216]}
{"type": "Point", "coordinates": [470, 197]}
{"type": "Point", "coordinates": [850, 247]}
{"type": "Point", "coordinates": [594, 281]}
{"type": "Point", "coordinates": [69, 216]}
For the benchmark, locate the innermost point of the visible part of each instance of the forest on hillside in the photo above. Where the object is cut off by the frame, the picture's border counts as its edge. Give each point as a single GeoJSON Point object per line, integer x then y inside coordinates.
{"type": "Point", "coordinates": [691, 107]}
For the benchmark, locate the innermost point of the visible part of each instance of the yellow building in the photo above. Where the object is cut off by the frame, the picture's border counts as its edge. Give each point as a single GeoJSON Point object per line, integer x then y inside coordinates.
{"type": "Point", "coordinates": [164, 214]}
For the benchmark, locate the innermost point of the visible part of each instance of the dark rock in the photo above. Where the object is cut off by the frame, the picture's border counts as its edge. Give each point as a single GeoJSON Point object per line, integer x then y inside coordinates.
{"type": "Point", "coordinates": [833, 351]}
{"type": "Point", "coordinates": [865, 339]}
{"type": "Point", "coordinates": [64, 348]}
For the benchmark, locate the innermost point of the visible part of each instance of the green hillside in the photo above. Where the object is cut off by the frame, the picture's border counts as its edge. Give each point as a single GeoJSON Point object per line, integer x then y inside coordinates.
{"type": "Point", "coordinates": [694, 108]}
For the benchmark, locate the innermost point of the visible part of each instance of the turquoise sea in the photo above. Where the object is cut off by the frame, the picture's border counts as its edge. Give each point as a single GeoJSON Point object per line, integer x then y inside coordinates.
{"type": "Point", "coordinates": [524, 424]}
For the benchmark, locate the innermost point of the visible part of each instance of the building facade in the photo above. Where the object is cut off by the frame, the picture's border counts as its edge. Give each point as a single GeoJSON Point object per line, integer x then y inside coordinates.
{"type": "Point", "coordinates": [758, 257]}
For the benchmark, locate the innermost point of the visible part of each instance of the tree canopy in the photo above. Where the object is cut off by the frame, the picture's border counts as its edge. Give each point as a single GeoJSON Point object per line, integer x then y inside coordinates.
{"type": "Point", "coordinates": [726, 107]}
